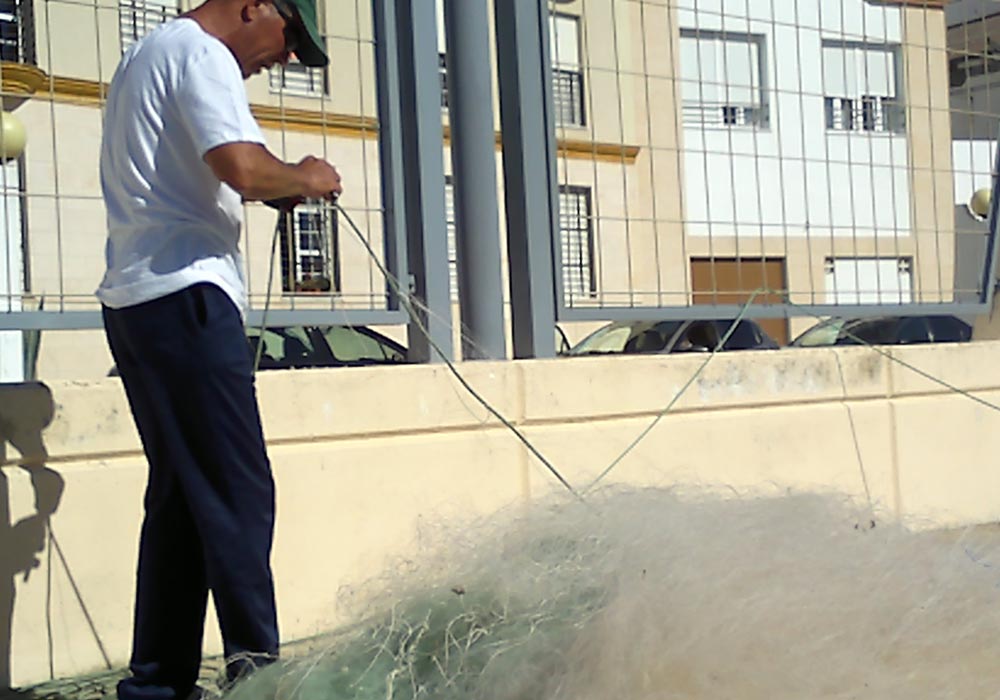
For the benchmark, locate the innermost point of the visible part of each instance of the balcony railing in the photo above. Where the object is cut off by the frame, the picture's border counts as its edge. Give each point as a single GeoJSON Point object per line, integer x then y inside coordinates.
{"type": "Point", "coordinates": [874, 113]}
{"type": "Point", "coordinates": [726, 115]}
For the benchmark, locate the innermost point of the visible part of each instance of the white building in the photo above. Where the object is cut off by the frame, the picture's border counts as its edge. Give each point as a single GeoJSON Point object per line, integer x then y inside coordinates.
{"type": "Point", "coordinates": [796, 128]}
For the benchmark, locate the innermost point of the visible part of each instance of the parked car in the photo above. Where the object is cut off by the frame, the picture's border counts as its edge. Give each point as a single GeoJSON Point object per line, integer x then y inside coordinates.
{"type": "Point", "coordinates": [646, 337]}
{"type": "Point", "coordinates": [296, 347]}
{"type": "Point", "coordinates": [885, 330]}
{"type": "Point", "coordinates": [288, 347]}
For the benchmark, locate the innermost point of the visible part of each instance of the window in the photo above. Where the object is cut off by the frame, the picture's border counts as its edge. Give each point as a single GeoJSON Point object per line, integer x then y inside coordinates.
{"type": "Point", "coordinates": [567, 77]}
{"type": "Point", "coordinates": [861, 88]}
{"type": "Point", "coordinates": [298, 79]}
{"type": "Point", "coordinates": [17, 36]}
{"type": "Point", "coordinates": [868, 280]}
{"type": "Point", "coordinates": [879, 331]}
{"type": "Point", "coordinates": [442, 51]}
{"type": "Point", "coordinates": [309, 252]}
{"type": "Point", "coordinates": [136, 18]}
{"type": "Point", "coordinates": [576, 236]}
{"type": "Point", "coordinates": [449, 216]}
{"type": "Point", "coordinates": [723, 79]}
{"type": "Point", "coordinates": [443, 77]}
{"type": "Point", "coordinates": [361, 345]}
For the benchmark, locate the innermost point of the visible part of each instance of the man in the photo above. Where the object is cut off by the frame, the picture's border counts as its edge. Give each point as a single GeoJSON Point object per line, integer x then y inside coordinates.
{"type": "Point", "coordinates": [180, 150]}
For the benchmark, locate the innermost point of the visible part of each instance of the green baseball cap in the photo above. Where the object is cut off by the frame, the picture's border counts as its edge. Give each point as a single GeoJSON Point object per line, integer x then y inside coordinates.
{"type": "Point", "coordinates": [310, 51]}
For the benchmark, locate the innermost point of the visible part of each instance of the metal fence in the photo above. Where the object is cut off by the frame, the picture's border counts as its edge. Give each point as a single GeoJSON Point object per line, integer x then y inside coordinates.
{"type": "Point", "coordinates": [54, 218]}
{"type": "Point", "coordinates": [667, 158]}
{"type": "Point", "coordinates": [830, 157]}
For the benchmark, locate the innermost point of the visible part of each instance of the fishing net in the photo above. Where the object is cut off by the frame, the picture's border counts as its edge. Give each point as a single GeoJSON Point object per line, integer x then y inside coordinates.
{"type": "Point", "coordinates": [661, 594]}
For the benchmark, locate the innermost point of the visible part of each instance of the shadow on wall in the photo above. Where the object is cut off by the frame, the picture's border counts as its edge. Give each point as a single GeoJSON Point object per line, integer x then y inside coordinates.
{"type": "Point", "coordinates": [25, 411]}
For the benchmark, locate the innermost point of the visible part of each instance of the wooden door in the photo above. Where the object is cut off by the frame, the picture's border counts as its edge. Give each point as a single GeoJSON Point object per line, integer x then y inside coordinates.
{"type": "Point", "coordinates": [733, 281]}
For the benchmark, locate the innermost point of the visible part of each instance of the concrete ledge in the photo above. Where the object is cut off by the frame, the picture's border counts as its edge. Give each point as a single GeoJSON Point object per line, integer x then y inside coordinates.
{"type": "Point", "coordinates": [363, 456]}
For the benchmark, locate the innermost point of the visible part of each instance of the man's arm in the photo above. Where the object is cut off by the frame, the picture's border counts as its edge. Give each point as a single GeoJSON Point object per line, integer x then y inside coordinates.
{"type": "Point", "coordinates": [251, 170]}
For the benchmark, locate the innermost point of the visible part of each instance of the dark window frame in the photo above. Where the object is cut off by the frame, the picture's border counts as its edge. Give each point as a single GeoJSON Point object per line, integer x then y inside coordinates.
{"type": "Point", "coordinates": [295, 279]}
{"type": "Point", "coordinates": [583, 215]}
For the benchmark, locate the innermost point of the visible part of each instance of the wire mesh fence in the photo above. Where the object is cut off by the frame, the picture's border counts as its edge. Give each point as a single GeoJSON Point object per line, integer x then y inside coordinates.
{"type": "Point", "coordinates": [58, 57]}
{"type": "Point", "coordinates": [828, 153]}
{"type": "Point", "coordinates": [820, 153]}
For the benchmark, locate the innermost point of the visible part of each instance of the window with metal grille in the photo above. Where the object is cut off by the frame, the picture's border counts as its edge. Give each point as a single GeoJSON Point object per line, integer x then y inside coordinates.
{"type": "Point", "coordinates": [136, 18]}
{"type": "Point", "coordinates": [575, 231]}
{"type": "Point", "coordinates": [868, 113]}
{"type": "Point", "coordinates": [298, 79]}
{"type": "Point", "coordinates": [449, 216]}
{"type": "Point", "coordinates": [861, 87]}
{"type": "Point", "coordinates": [567, 75]}
{"type": "Point", "coordinates": [443, 76]}
{"type": "Point", "coordinates": [17, 34]}
{"type": "Point", "coordinates": [576, 234]}
{"type": "Point", "coordinates": [310, 259]}
{"type": "Point", "coordinates": [723, 79]}
{"type": "Point", "coordinates": [869, 280]}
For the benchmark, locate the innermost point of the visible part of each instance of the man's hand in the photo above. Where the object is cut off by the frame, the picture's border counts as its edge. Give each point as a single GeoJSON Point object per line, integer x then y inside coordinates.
{"type": "Point", "coordinates": [322, 179]}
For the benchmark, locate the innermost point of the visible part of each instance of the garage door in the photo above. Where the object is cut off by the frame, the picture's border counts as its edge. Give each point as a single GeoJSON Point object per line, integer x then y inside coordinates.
{"type": "Point", "coordinates": [733, 281]}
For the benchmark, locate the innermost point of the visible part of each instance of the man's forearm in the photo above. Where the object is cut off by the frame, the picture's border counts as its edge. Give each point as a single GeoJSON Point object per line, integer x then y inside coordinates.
{"type": "Point", "coordinates": [256, 174]}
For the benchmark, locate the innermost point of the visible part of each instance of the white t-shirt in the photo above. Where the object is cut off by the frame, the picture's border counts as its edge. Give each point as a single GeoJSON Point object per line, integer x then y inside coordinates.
{"type": "Point", "coordinates": [172, 223]}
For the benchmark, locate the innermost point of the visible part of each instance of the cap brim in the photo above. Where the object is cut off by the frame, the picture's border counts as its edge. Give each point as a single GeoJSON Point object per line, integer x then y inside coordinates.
{"type": "Point", "coordinates": [310, 50]}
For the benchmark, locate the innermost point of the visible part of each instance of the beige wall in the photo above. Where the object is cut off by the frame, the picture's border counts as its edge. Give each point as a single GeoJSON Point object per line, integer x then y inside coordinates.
{"type": "Point", "coordinates": [362, 456]}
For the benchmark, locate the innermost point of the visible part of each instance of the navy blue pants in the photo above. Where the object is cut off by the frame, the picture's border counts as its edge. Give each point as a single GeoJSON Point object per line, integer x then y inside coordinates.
{"type": "Point", "coordinates": [209, 503]}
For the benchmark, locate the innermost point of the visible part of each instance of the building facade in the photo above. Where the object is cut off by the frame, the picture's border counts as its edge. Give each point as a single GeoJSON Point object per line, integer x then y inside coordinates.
{"type": "Point", "coordinates": [708, 150]}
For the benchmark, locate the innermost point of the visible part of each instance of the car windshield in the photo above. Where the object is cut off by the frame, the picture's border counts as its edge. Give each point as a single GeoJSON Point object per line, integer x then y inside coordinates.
{"type": "Point", "coordinates": [352, 345]}
{"type": "Point", "coordinates": [636, 337]}
{"type": "Point", "coordinates": [824, 334]}
{"type": "Point", "coordinates": [869, 331]}
{"type": "Point", "coordinates": [605, 340]}
{"type": "Point", "coordinates": [286, 347]}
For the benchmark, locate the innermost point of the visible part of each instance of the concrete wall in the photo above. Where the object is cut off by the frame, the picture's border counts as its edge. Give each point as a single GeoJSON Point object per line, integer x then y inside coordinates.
{"type": "Point", "coordinates": [363, 456]}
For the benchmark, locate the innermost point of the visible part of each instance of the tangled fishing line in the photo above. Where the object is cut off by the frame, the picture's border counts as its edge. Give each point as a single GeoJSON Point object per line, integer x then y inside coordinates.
{"type": "Point", "coordinates": [657, 593]}
{"type": "Point", "coordinates": [652, 593]}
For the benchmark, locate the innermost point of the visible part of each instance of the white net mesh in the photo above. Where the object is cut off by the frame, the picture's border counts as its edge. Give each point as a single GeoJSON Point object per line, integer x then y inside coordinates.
{"type": "Point", "coordinates": [654, 594]}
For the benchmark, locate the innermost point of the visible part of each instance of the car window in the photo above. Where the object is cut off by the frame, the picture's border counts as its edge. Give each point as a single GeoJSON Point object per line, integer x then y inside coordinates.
{"type": "Point", "coordinates": [604, 340]}
{"type": "Point", "coordinates": [699, 336]}
{"type": "Point", "coordinates": [352, 345]}
{"type": "Point", "coordinates": [646, 338]}
{"type": "Point", "coordinates": [880, 331]}
{"type": "Point", "coordinates": [285, 347]}
{"type": "Point", "coordinates": [825, 333]}
{"type": "Point", "coordinates": [645, 341]}
{"type": "Point", "coordinates": [948, 329]}
{"type": "Point", "coordinates": [912, 330]}
{"type": "Point", "coordinates": [744, 336]}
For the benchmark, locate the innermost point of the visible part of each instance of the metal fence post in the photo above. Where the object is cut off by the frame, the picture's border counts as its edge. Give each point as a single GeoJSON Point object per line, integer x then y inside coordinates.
{"type": "Point", "coordinates": [473, 158]}
{"type": "Point", "coordinates": [390, 144]}
{"type": "Point", "coordinates": [528, 129]}
{"type": "Point", "coordinates": [423, 178]}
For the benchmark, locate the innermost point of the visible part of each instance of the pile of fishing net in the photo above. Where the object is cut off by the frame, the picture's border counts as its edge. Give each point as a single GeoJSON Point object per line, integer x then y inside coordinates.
{"type": "Point", "coordinates": [660, 594]}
